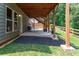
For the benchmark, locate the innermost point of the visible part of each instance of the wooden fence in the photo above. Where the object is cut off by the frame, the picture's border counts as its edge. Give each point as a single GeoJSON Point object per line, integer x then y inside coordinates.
{"type": "Point", "coordinates": [74, 31]}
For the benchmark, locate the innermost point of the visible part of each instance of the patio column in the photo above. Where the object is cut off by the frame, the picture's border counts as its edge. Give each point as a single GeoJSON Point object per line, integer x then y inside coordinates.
{"type": "Point", "coordinates": [48, 23]}
{"type": "Point", "coordinates": [67, 18]}
{"type": "Point", "coordinates": [54, 25]}
{"type": "Point", "coordinates": [34, 24]}
{"type": "Point", "coordinates": [54, 20]}
{"type": "Point", "coordinates": [67, 47]}
{"type": "Point", "coordinates": [45, 26]}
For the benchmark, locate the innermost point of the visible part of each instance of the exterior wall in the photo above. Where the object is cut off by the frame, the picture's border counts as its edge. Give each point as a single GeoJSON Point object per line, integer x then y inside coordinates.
{"type": "Point", "coordinates": [2, 21]}
{"type": "Point", "coordinates": [19, 11]}
{"type": "Point", "coordinates": [3, 34]}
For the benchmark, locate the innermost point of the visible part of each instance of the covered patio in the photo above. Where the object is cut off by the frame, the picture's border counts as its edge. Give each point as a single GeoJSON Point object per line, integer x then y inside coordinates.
{"type": "Point", "coordinates": [40, 40]}
{"type": "Point", "coordinates": [44, 11]}
{"type": "Point", "coordinates": [41, 13]}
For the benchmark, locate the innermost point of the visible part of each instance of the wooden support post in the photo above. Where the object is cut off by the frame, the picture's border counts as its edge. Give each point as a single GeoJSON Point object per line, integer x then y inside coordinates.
{"type": "Point", "coordinates": [45, 26]}
{"type": "Point", "coordinates": [67, 25]}
{"type": "Point", "coordinates": [48, 24]}
{"type": "Point", "coordinates": [54, 25]}
{"type": "Point", "coordinates": [67, 47]}
{"type": "Point", "coordinates": [54, 21]}
{"type": "Point", "coordinates": [34, 24]}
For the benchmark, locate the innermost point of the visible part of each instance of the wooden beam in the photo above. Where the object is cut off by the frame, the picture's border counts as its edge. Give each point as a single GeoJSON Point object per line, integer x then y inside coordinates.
{"type": "Point", "coordinates": [67, 18]}
{"type": "Point", "coordinates": [39, 20]}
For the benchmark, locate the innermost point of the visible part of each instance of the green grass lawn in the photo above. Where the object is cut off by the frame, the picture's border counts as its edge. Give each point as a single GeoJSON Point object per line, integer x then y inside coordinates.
{"type": "Point", "coordinates": [73, 38]}
{"type": "Point", "coordinates": [16, 49]}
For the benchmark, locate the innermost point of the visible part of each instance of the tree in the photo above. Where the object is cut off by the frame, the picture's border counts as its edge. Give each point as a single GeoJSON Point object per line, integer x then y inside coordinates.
{"type": "Point", "coordinates": [60, 15]}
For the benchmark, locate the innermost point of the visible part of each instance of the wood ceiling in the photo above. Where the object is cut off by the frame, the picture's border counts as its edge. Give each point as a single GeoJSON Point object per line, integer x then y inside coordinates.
{"type": "Point", "coordinates": [37, 9]}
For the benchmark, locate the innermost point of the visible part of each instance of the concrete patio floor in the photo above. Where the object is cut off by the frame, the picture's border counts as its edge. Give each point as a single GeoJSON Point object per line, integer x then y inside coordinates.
{"type": "Point", "coordinates": [39, 33]}
{"type": "Point", "coordinates": [38, 37]}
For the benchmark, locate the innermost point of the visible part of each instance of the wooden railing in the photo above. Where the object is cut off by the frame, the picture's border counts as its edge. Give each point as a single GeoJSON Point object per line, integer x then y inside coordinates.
{"type": "Point", "coordinates": [74, 31]}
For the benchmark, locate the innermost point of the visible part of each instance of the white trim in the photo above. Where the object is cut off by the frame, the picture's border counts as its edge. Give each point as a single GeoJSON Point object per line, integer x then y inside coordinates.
{"type": "Point", "coordinates": [17, 16]}
{"type": "Point", "coordinates": [16, 22]}
{"type": "Point", "coordinates": [9, 19]}
{"type": "Point", "coordinates": [11, 9]}
{"type": "Point", "coordinates": [21, 22]}
{"type": "Point", "coordinates": [12, 21]}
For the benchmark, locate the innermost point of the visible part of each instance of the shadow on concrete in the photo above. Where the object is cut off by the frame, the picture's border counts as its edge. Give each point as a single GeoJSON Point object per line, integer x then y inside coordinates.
{"type": "Point", "coordinates": [39, 40]}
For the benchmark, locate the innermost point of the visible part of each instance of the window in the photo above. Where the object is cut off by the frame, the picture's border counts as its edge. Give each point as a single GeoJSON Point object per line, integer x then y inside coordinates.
{"type": "Point", "coordinates": [9, 20]}
{"type": "Point", "coordinates": [15, 21]}
{"type": "Point", "coordinates": [9, 14]}
{"type": "Point", "coordinates": [12, 20]}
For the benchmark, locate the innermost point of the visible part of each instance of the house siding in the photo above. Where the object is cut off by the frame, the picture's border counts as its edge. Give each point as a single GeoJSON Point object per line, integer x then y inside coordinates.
{"type": "Point", "coordinates": [3, 11]}
{"type": "Point", "coordinates": [2, 20]}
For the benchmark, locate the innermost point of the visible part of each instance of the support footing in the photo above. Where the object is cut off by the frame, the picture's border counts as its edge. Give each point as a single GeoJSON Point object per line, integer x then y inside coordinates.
{"type": "Point", "coordinates": [65, 48]}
